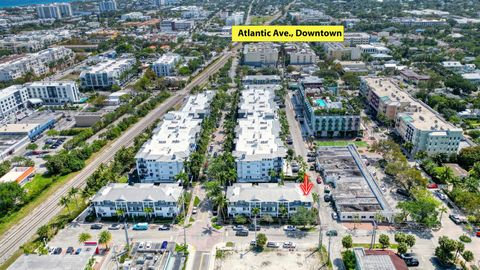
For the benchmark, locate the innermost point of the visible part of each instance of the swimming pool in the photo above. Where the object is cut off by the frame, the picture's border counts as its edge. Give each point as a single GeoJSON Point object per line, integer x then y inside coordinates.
{"type": "Point", "coordinates": [321, 102]}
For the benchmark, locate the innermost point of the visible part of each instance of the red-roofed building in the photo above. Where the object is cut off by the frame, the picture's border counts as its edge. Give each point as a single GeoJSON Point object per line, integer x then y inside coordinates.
{"type": "Point", "coordinates": [378, 260]}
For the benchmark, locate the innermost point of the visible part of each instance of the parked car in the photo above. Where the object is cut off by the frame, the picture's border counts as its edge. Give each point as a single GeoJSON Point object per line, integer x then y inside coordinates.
{"type": "Point", "coordinates": [57, 251]}
{"type": "Point", "coordinates": [290, 228]}
{"type": "Point", "coordinates": [238, 227]}
{"type": "Point", "coordinates": [141, 245]}
{"type": "Point", "coordinates": [319, 180]}
{"type": "Point", "coordinates": [164, 246]}
{"type": "Point", "coordinates": [311, 154]}
{"type": "Point", "coordinates": [403, 192]}
{"type": "Point", "coordinates": [412, 262]}
{"type": "Point", "coordinates": [51, 250]}
{"type": "Point", "coordinates": [78, 251]}
{"type": "Point", "coordinates": [195, 210]}
{"type": "Point", "coordinates": [406, 256]}
{"type": "Point", "coordinates": [457, 219]}
{"type": "Point", "coordinates": [114, 226]}
{"type": "Point", "coordinates": [441, 195]}
{"type": "Point", "coordinates": [327, 198]}
{"type": "Point", "coordinates": [241, 233]}
{"type": "Point", "coordinates": [289, 245]}
{"type": "Point", "coordinates": [478, 233]}
{"type": "Point", "coordinates": [164, 227]}
{"type": "Point", "coordinates": [432, 186]}
{"type": "Point", "coordinates": [252, 227]}
{"type": "Point", "coordinates": [310, 159]}
{"type": "Point", "coordinates": [70, 250]}
{"type": "Point", "coordinates": [148, 245]}
{"type": "Point", "coordinates": [96, 226]}
{"type": "Point", "coordinates": [334, 216]}
{"type": "Point", "coordinates": [273, 245]}
{"type": "Point", "coordinates": [253, 243]}
{"type": "Point", "coordinates": [143, 226]}
{"type": "Point", "coordinates": [332, 233]}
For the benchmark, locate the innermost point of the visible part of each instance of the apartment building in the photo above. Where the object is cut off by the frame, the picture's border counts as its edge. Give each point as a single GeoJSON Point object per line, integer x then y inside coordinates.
{"type": "Point", "coordinates": [235, 19]}
{"type": "Point", "coordinates": [300, 54]}
{"type": "Point", "coordinates": [169, 25]}
{"type": "Point", "coordinates": [33, 41]}
{"type": "Point", "coordinates": [269, 198]}
{"type": "Point", "coordinates": [411, 76]}
{"type": "Point", "coordinates": [353, 39]}
{"type": "Point", "coordinates": [106, 73]}
{"type": "Point", "coordinates": [310, 16]}
{"type": "Point", "coordinates": [355, 193]}
{"type": "Point", "coordinates": [165, 65]}
{"type": "Point", "coordinates": [260, 54]}
{"type": "Point", "coordinates": [373, 48]}
{"type": "Point", "coordinates": [38, 63]}
{"type": "Point", "coordinates": [418, 22]}
{"type": "Point", "coordinates": [259, 150]}
{"type": "Point", "coordinates": [133, 200]}
{"type": "Point", "coordinates": [414, 121]}
{"type": "Point", "coordinates": [336, 50]}
{"type": "Point", "coordinates": [107, 6]}
{"type": "Point", "coordinates": [54, 92]}
{"type": "Point", "coordinates": [135, 16]}
{"type": "Point", "coordinates": [160, 3]}
{"type": "Point", "coordinates": [54, 11]}
{"type": "Point", "coordinates": [163, 156]}
{"type": "Point", "coordinates": [261, 79]}
{"type": "Point", "coordinates": [191, 12]}
{"type": "Point", "coordinates": [328, 115]}
{"type": "Point", "coordinates": [12, 99]}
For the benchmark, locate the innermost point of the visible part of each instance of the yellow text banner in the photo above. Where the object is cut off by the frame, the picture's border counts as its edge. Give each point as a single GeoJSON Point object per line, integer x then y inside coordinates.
{"type": "Point", "coordinates": [287, 33]}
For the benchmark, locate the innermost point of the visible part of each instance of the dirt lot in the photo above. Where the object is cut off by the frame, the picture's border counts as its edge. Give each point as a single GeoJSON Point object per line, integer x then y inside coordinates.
{"type": "Point", "coordinates": [269, 260]}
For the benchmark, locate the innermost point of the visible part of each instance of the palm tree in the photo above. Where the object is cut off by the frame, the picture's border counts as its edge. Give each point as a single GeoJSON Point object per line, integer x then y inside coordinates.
{"type": "Point", "coordinates": [255, 212]}
{"type": "Point", "coordinates": [283, 211]}
{"type": "Point", "coordinates": [64, 201]}
{"type": "Point", "coordinates": [221, 203]}
{"type": "Point", "coordinates": [104, 238]}
{"type": "Point", "coordinates": [120, 213]}
{"type": "Point", "coordinates": [442, 210]}
{"type": "Point", "coordinates": [83, 237]}
{"type": "Point", "coordinates": [148, 211]}
{"type": "Point", "coordinates": [183, 178]}
{"type": "Point", "coordinates": [72, 193]}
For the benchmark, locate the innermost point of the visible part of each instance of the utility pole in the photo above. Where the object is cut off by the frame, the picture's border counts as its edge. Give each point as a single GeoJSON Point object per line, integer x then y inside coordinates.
{"type": "Point", "coordinates": [126, 231]}
{"type": "Point", "coordinates": [329, 242]}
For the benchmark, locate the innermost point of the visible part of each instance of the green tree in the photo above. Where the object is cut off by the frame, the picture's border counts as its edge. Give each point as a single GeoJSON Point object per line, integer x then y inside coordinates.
{"type": "Point", "coordinates": [183, 178]}
{"type": "Point", "coordinates": [240, 219]}
{"type": "Point", "coordinates": [52, 133]}
{"type": "Point", "coordinates": [83, 237]}
{"type": "Point", "coordinates": [384, 240]}
{"type": "Point", "coordinates": [468, 256]}
{"type": "Point", "coordinates": [423, 209]}
{"type": "Point", "coordinates": [72, 194]}
{"type": "Point", "coordinates": [411, 178]}
{"type": "Point", "coordinates": [120, 213]}
{"type": "Point", "coordinates": [283, 212]}
{"type": "Point", "coordinates": [445, 250]}
{"type": "Point", "coordinates": [148, 211]}
{"type": "Point", "coordinates": [347, 241]}
{"type": "Point", "coordinates": [65, 201]}
{"type": "Point", "coordinates": [104, 238]}
{"type": "Point", "coordinates": [12, 196]}
{"type": "Point", "coordinates": [400, 237]}
{"type": "Point", "coordinates": [45, 232]}
{"type": "Point", "coordinates": [32, 146]}
{"type": "Point", "coordinates": [261, 240]}
{"type": "Point", "coordinates": [303, 217]}
{"type": "Point", "coordinates": [402, 248]}
{"type": "Point", "coordinates": [410, 240]}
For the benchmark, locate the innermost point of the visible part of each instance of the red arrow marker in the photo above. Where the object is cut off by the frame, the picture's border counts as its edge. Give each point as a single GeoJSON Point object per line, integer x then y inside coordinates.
{"type": "Point", "coordinates": [306, 186]}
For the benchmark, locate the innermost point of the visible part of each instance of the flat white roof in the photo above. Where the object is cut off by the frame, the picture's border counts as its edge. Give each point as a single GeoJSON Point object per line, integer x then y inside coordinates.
{"type": "Point", "coordinates": [18, 128]}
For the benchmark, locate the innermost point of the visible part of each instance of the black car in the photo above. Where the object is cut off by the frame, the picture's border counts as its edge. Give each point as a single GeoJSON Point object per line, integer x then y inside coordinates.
{"type": "Point", "coordinates": [57, 251]}
{"type": "Point", "coordinates": [311, 159]}
{"type": "Point", "coordinates": [241, 233]}
{"type": "Point", "coordinates": [327, 198]}
{"type": "Point", "coordinates": [252, 227]}
{"type": "Point", "coordinates": [96, 226]}
{"type": "Point", "coordinates": [411, 262]}
{"type": "Point", "coordinates": [403, 192]}
{"type": "Point", "coordinates": [69, 250]}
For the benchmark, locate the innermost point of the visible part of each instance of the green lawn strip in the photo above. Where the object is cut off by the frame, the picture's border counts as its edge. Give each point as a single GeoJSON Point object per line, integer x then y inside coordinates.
{"type": "Point", "coordinates": [342, 143]}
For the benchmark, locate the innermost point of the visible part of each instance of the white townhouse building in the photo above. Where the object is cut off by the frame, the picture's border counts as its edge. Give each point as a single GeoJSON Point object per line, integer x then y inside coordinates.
{"type": "Point", "coordinates": [269, 198]}
{"type": "Point", "coordinates": [163, 156]}
{"type": "Point", "coordinates": [54, 92]}
{"type": "Point", "coordinates": [259, 149]}
{"type": "Point", "coordinates": [38, 63]}
{"type": "Point", "coordinates": [165, 65]}
{"type": "Point", "coordinates": [260, 54]}
{"type": "Point", "coordinates": [235, 19]}
{"type": "Point", "coordinates": [356, 38]}
{"type": "Point", "coordinates": [106, 73]}
{"type": "Point", "coordinates": [133, 200]}
{"type": "Point", "coordinates": [12, 99]}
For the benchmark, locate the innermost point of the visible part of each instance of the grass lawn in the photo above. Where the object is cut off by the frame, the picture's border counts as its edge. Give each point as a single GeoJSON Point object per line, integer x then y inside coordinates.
{"type": "Point", "coordinates": [259, 20]}
{"type": "Point", "coordinates": [341, 143]}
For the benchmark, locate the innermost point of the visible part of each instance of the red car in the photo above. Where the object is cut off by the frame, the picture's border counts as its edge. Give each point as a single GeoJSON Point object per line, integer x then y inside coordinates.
{"type": "Point", "coordinates": [432, 185]}
{"type": "Point", "coordinates": [478, 233]}
{"type": "Point", "coordinates": [319, 180]}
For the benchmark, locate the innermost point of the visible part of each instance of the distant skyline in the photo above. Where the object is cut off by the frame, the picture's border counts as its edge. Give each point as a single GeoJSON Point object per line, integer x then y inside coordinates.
{"type": "Point", "coordinates": [15, 3]}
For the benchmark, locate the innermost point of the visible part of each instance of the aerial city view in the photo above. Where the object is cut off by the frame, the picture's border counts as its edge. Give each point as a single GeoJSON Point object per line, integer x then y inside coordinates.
{"type": "Point", "coordinates": [246, 134]}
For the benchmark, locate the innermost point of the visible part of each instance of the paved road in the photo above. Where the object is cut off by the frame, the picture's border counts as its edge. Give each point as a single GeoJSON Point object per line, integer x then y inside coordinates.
{"type": "Point", "coordinates": [27, 227]}
{"type": "Point", "coordinates": [295, 131]}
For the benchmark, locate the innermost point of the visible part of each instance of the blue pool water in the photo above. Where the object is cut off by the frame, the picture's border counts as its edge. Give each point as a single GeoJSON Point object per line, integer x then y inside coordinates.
{"type": "Point", "coordinates": [321, 102]}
